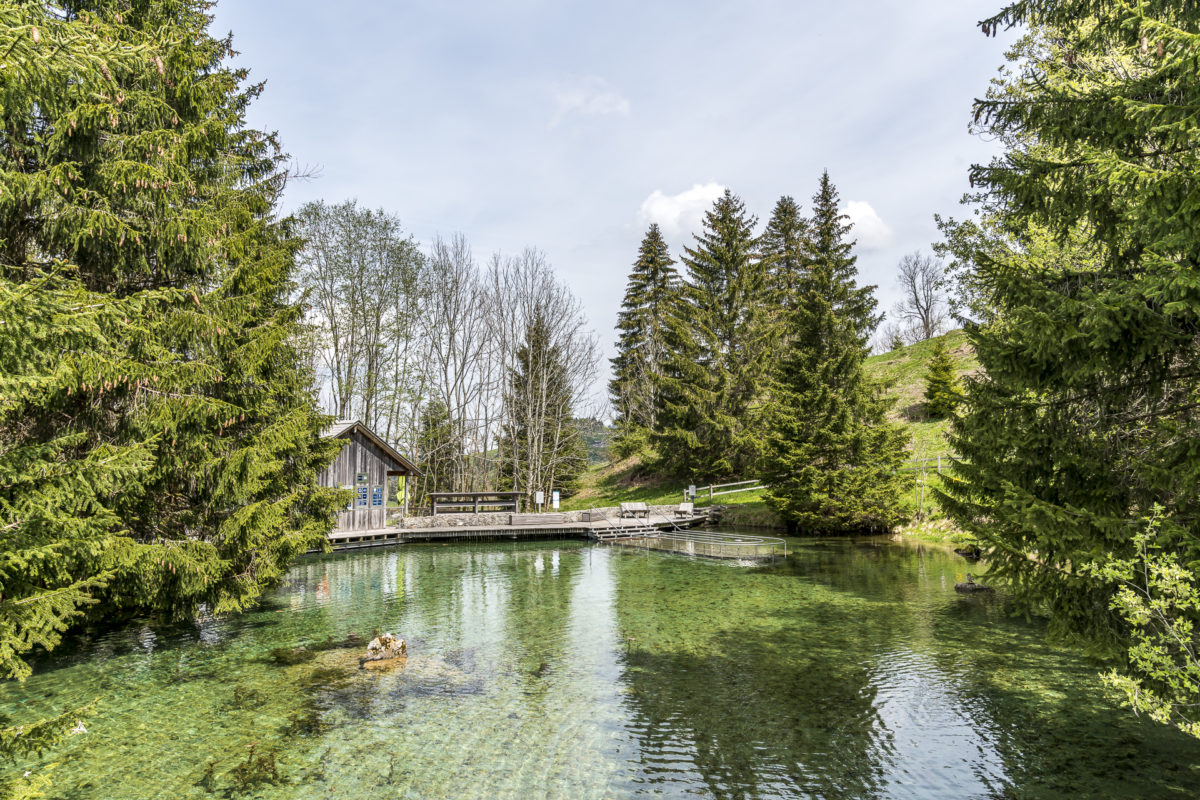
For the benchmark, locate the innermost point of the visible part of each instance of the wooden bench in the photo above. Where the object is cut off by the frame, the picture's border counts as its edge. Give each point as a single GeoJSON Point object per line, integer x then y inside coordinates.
{"type": "Point", "coordinates": [535, 520]}
{"type": "Point", "coordinates": [635, 510]}
{"type": "Point", "coordinates": [685, 510]}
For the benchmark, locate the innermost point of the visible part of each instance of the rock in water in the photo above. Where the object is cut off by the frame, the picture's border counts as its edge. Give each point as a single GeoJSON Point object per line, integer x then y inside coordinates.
{"type": "Point", "coordinates": [384, 650]}
{"type": "Point", "coordinates": [970, 586]}
{"type": "Point", "coordinates": [971, 553]}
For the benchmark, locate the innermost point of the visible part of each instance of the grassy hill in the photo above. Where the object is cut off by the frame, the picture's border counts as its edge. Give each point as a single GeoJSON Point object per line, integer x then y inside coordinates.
{"type": "Point", "coordinates": [628, 482]}
{"type": "Point", "coordinates": [902, 370]}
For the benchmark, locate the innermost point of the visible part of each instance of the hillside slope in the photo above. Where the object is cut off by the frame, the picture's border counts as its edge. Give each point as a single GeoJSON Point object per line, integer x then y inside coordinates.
{"type": "Point", "coordinates": [904, 372]}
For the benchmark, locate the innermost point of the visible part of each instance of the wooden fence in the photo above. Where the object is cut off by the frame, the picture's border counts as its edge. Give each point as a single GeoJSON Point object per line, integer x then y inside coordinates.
{"type": "Point", "coordinates": [927, 464]}
{"type": "Point", "coordinates": [726, 488]}
{"type": "Point", "coordinates": [920, 465]}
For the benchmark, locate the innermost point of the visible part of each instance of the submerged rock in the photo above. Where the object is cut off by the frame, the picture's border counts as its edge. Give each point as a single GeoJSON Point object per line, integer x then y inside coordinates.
{"type": "Point", "coordinates": [290, 656]}
{"type": "Point", "coordinates": [425, 675]}
{"type": "Point", "coordinates": [327, 677]}
{"type": "Point", "coordinates": [969, 586]}
{"type": "Point", "coordinates": [384, 650]}
{"type": "Point", "coordinates": [971, 553]}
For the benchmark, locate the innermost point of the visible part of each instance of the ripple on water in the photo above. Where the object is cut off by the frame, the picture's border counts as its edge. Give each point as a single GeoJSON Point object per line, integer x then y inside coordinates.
{"type": "Point", "coordinates": [553, 670]}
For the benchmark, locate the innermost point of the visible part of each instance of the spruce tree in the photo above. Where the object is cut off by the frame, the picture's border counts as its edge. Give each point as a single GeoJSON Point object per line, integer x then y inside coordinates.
{"type": "Point", "coordinates": [541, 440]}
{"type": "Point", "coordinates": [54, 508]}
{"type": "Point", "coordinates": [1088, 293]}
{"type": "Point", "coordinates": [783, 248]}
{"type": "Point", "coordinates": [440, 444]}
{"type": "Point", "coordinates": [641, 345]}
{"type": "Point", "coordinates": [832, 457]}
{"type": "Point", "coordinates": [678, 405]}
{"type": "Point", "coordinates": [718, 337]}
{"type": "Point", "coordinates": [942, 391]}
{"type": "Point", "coordinates": [158, 437]}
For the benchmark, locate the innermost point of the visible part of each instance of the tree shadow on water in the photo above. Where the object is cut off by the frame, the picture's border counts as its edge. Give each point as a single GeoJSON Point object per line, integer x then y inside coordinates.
{"type": "Point", "coordinates": [867, 679]}
{"type": "Point", "coordinates": [758, 713]}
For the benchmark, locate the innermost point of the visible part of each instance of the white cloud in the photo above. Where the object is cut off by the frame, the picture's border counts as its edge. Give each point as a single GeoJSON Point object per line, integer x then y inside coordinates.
{"type": "Point", "coordinates": [870, 230]}
{"type": "Point", "coordinates": [589, 96]}
{"type": "Point", "coordinates": [678, 214]}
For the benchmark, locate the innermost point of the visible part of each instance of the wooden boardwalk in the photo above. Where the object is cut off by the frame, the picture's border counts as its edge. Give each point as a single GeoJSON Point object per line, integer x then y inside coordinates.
{"type": "Point", "coordinates": [346, 540]}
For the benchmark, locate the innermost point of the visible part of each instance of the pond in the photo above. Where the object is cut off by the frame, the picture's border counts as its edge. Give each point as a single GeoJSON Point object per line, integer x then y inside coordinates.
{"type": "Point", "coordinates": [565, 670]}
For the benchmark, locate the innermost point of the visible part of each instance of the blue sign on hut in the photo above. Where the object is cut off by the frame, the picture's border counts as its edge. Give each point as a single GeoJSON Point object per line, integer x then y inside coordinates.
{"type": "Point", "coordinates": [373, 470]}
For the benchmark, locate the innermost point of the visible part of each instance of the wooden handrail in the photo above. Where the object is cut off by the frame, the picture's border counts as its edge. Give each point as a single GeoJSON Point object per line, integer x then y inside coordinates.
{"type": "Point", "coordinates": [747, 486]}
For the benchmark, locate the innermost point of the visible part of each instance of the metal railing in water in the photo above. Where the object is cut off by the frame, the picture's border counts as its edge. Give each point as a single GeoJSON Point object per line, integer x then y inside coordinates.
{"type": "Point", "coordinates": [709, 544]}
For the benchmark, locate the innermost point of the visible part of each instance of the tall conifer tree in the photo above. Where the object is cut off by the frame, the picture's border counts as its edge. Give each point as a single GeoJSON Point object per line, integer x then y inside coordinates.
{"type": "Point", "coordinates": [158, 437]}
{"type": "Point", "coordinates": [719, 345]}
{"type": "Point", "coordinates": [1086, 280]}
{"type": "Point", "coordinates": [784, 249]}
{"type": "Point", "coordinates": [831, 458]}
{"type": "Point", "coordinates": [542, 440]}
{"type": "Point", "coordinates": [54, 508]}
{"type": "Point", "coordinates": [440, 444]}
{"type": "Point", "coordinates": [642, 341]}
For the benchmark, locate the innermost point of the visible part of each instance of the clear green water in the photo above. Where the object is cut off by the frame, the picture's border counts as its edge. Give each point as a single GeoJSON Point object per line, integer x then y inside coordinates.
{"type": "Point", "coordinates": [561, 670]}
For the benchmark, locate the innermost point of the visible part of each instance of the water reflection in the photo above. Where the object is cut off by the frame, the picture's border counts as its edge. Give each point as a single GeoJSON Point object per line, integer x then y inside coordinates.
{"type": "Point", "coordinates": [851, 670]}
{"type": "Point", "coordinates": [744, 698]}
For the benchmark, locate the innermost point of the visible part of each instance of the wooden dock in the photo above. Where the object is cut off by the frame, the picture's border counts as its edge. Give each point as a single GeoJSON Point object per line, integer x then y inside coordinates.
{"type": "Point", "coordinates": [527, 528]}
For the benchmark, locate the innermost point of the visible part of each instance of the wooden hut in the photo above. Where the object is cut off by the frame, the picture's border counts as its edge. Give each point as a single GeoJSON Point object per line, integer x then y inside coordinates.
{"type": "Point", "coordinates": [367, 466]}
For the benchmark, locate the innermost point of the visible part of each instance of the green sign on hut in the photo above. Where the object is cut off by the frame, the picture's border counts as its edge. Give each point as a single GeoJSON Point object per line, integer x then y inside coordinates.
{"type": "Point", "coordinates": [368, 466]}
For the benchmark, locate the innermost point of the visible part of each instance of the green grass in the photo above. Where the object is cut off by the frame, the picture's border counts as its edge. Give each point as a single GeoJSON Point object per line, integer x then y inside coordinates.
{"type": "Point", "coordinates": [628, 482]}
{"type": "Point", "coordinates": [903, 371]}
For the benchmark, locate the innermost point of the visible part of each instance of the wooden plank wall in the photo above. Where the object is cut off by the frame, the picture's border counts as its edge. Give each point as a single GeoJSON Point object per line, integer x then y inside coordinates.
{"type": "Point", "coordinates": [361, 455]}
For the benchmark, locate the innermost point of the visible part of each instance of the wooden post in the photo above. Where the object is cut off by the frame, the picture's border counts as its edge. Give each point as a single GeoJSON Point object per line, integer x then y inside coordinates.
{"type": "Point", "coordinates": [939, 465]}
{"type": "Point", "coordinates": [710, 494]}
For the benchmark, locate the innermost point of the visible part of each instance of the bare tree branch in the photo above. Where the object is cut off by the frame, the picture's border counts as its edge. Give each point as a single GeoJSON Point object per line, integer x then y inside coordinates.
{"type": "Point", "coordinates": [922, 312]}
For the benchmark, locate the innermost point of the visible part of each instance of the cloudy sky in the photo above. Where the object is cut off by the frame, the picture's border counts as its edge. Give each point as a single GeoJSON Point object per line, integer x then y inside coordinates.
{"type": "Point", "coordinates": [571, 126]}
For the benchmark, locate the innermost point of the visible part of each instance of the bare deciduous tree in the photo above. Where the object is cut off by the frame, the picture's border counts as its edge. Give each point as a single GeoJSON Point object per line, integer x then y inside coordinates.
{"type": "Point", "coordinates": [887, 338]}
{"type": "Point", "coordinates": [427, 349]}
{"type": "Point", "coordinates": [359, 272]}
{"type": "Point", "coordinates": [456, 327]}
{"type": "Point", "coordinates": [551, 360]}
{"type": "Point", "coordinates": [922, 312]}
